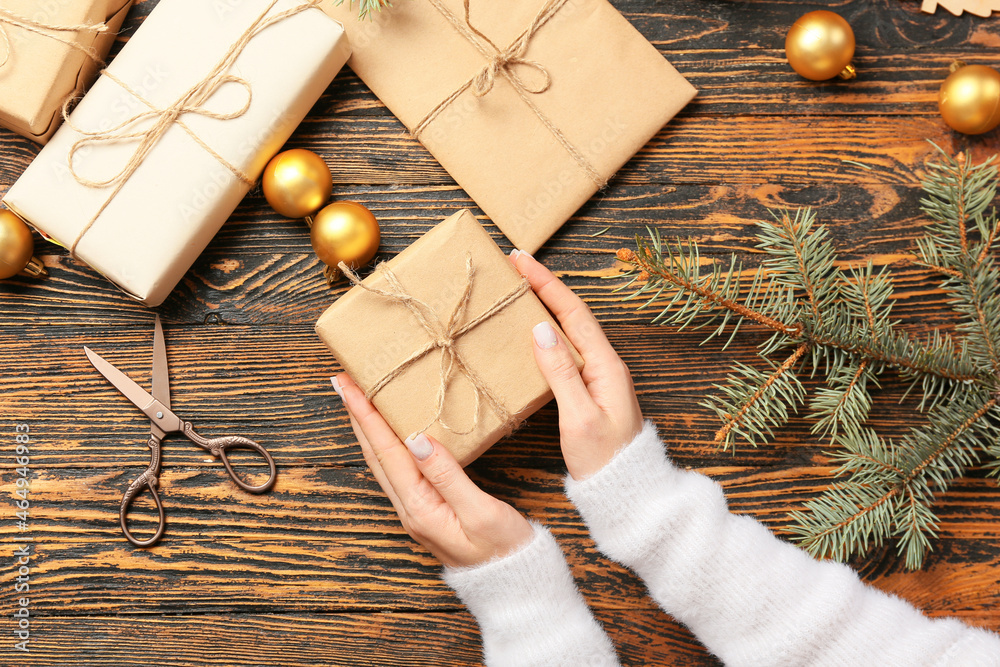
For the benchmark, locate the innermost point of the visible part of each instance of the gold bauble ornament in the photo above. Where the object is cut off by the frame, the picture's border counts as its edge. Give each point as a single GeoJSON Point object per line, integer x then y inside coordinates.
{"type": "Point", "coordinates": [16, 248]}
{"type": "Point", "coordinates": [969, 100]}
{"type": "Point", "coordinates": [345, 231]}
{"type": "Point", "coordinates": [297, 183]}
{"type": "Point", "coordinates": [820, 45]}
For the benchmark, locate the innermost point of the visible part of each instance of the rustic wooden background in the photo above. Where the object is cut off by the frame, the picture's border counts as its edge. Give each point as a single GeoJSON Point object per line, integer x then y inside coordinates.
{"type": "Point", "coordinates": [319, 571]}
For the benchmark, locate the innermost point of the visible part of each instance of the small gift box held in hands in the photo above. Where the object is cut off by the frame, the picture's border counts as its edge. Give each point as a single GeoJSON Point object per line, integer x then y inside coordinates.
{"type": "Point", "coordinates": [49, 53]}
{"type": "Point", "coordinates": [531, 105]}
{"type": "Point", "coordinates": [174, 134]}
{"type": "Point", "coordinates": [439, 338]}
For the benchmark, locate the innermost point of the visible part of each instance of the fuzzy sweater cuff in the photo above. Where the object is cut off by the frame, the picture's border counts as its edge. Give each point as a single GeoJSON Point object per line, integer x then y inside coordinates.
{"type": "Point", "coordinates": [529, 610]}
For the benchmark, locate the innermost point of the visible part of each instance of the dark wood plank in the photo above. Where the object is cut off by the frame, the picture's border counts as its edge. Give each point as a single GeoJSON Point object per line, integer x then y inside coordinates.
{"type": "Point", "coordinates": [644, 637]}
{"type": "Point", "coordinates": [327, 539]}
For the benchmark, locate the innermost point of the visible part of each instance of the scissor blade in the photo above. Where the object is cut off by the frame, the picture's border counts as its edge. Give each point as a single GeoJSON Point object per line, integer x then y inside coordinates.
{"type": "Point", "coordinates": [167, 421]}
{"type": "Point", "coordinates": [161, 374]}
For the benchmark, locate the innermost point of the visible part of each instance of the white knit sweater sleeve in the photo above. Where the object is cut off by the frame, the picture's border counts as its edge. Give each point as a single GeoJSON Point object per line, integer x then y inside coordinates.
{"type": "Point", "coordinates": [529, 610]}
{"type": "Point", "coordinates": [751, 598]}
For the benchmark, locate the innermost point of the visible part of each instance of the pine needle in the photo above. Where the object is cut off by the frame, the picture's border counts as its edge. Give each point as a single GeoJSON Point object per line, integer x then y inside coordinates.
{"type": "Point", "coordinates": [367, 7]}
{"type": "Point", "coordinates": [858, 164]}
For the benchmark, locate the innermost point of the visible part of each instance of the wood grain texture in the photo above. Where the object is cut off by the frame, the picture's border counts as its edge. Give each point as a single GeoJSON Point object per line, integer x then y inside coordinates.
{"type": "Point", "coordinates": [319, 571]}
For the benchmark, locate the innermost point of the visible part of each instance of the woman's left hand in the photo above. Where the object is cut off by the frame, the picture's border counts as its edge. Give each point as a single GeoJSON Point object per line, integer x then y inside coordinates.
{"type": "Point", "coordinates": [439, 506]}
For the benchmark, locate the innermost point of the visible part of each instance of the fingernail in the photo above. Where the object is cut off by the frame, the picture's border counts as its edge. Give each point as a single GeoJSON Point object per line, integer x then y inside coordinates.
{"type": "Point", "coordinates": [545, 336]}
{"type": "Point", "coordinates": [419, 446]}
{"type": "Point", "coordinates": [514, 253]}
{"type": "Point", "coordinates": [521, 253]}
{"type": "Point", "coordinates": [336, 387]}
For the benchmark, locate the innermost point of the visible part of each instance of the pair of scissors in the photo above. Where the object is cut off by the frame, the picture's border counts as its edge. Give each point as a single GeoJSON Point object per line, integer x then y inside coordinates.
{"type": "Point", "coordinates": [163, 421]}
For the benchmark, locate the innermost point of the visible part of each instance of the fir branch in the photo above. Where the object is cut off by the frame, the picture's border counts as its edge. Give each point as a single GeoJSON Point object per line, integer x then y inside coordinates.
{"type": "Point", "coordinates": [977, 296]}
{"type": "Point", "coordinates": [658, 265]}
{"type": "Point", "coordinates": [845, 402]}
{"type": "Point", "coordinates": [845, 520]}
{"type": "Point", "coordinates": [943, 270]}
{"type": "Point", "coordinates": [900, 350]}
{"type": "Point", "coordinates": [928, 450]}
{"type": "Point", "coordinates": [958, 192]}
{"type": "Point", "coordinates": [751, 394]}
{"type": "Point", "coordinates": [868, 296]}
{"type": "Point", "coordinates": [842, 319]}
{"type": "Point", "coordinates": [802, 257]}
{"type": "Point", "coordinates": [367, 7]}
{"type": "Point", "coordinates": [887, 480]}
{"type": "Point", "coordinates": [990, 238]}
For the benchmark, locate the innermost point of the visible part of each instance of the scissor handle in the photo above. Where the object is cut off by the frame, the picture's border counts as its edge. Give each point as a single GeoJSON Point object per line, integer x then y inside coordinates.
{"type": "Point", "coordinates": [218, 447]}
{"type": "Point", "coordinates": [147, 480]}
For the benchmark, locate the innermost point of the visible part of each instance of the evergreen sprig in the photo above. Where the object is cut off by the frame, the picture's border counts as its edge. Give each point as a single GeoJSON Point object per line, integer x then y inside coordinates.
{"type": "Point", "coordinates": [837, 322]}
{"type": "Point", "coordinates": [366, 8]}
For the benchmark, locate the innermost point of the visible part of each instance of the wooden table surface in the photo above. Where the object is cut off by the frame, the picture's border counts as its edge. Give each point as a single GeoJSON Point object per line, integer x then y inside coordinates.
{"type": "Point", "coordinates": [319, 571]}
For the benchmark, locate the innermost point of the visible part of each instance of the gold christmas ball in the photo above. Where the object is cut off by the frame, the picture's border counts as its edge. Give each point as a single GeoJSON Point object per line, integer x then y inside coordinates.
{"type": "Point", "coordinates": [297, 183]}
{"type": "Point", "coordinates": [16, 248]}
{"type": "Point", "coordinates": [970, 99]}
{"type": "Point", "coordinates": [820, 46]}
{"type": "Point", "coordinates": [345, 231]}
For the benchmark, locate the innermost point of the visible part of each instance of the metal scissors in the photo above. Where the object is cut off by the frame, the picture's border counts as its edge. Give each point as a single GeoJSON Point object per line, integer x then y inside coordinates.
{"type": "Point", "coordinates": [162, 420]}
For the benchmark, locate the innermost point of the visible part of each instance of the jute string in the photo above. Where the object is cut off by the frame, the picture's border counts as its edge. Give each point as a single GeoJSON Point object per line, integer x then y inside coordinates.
{"type": "Point", "coordinates": [191, 102]}
{"type": "Point", "coordinates": [443, 335]}
{"type": "Point", "coordinates": [503, 63]}
{"type": "Point", "coordinates": [9, 18]}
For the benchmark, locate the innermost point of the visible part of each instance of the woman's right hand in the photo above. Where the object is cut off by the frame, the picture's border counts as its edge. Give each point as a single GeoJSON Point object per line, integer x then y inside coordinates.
{"type": "Point", "coordinates": [598, 409]}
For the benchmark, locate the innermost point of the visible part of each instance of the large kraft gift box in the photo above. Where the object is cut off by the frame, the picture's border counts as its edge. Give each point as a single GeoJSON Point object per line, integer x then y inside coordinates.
{"type": "Point", "coordinates": [531, 105]}
{"type": "Point", "coordinates": [462, 343]}
{"type": "Point", "coordinates": [42, 68]}
{"type": "Point", "coordinates": [178, 136]}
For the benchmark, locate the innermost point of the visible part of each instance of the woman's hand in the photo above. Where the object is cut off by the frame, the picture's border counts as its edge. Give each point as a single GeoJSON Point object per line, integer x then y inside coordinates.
{"type": "Point", "coordinates": [598, 409]}
{"type": "Point", "coordinates": [439, 506]}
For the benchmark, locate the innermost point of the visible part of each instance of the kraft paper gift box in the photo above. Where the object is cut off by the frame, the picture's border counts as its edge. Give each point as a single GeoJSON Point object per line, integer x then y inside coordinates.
{"type": "Point", "coordinates": [181, 125]}
{"type": "Point", "coordinates": [42, 68]}
{"type": "Point", "coordinates": [531, 105]}
{"type": "Point", "coordinates": [455, 345]}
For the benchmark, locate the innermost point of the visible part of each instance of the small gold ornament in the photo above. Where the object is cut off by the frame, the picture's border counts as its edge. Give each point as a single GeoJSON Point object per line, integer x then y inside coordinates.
{"type": "Point", "coordinates": [820, 45]}
{"type": "Point", "coordinates": [297, 183]}
{"type": "Point", "coordinates": [969, 100]}
{"type": "Point", "coordinates": [16, 248]}
{"type": "Point", "coordinates": [345, 231]}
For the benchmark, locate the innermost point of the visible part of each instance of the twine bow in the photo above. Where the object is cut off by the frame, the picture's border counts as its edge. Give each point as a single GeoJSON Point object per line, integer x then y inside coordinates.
{"type": "Point", "coordinates": [443, 336]}
{"type": "Point", "coordinates": [502, 63]}
{"type": "Point", "coordinates": [191, 102]}
{"type": "Point", "coordinates": [9, 18]}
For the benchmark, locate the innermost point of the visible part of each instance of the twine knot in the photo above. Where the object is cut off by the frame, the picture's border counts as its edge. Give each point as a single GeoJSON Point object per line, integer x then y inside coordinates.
{"type": "Point", "coordinates": [445, 343]}
{"type": "Point", "coordinates": [503, 63]}
{"type": "Point", "coordinates": [444, 336]}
